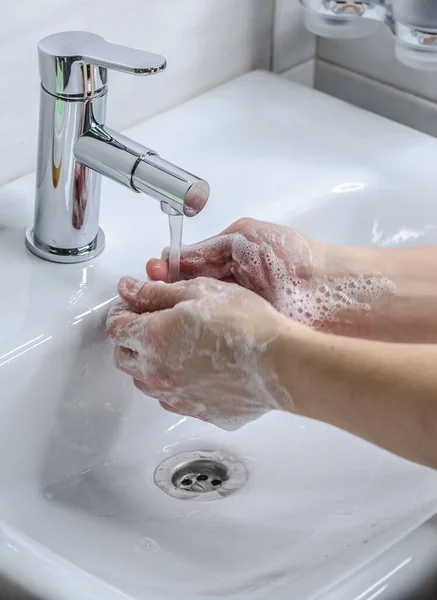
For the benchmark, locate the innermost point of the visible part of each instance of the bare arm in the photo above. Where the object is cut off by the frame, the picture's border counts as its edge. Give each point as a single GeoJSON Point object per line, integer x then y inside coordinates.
{"type": "Point", "coordinates": [385, 393]}
{"type": "Point", "coordinates": [406, 313]}
{"type": "Point", "coordinates": [220, 353]}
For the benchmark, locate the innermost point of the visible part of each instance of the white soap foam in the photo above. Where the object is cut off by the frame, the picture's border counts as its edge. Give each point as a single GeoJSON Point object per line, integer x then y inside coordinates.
{"type": "Point", "coordinates": [286, 278]}
{"type": "Point", "coordinates": [204, 357]}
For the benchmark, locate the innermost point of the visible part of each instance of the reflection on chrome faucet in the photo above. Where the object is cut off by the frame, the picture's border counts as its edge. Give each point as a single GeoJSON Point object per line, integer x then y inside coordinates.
{"type": "Point", "coordinates": [75, 148]}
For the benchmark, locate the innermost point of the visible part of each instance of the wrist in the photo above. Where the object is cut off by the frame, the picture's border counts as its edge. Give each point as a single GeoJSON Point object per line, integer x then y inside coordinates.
{"type": "Point", "coordinates": [313, 367]}
{"type": "Point", "coordinates": [293, 354]}
{"type": "Point", "coordinates": [367, 290]}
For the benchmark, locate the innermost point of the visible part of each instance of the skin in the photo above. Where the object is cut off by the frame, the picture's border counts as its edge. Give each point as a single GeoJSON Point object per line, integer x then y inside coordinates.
{"type": "Point", "coordinates": [170, 337]}
{"type": "Point", "coordinates": [406, 315]}
{"type": "Point", "coordinates": [382, 391]}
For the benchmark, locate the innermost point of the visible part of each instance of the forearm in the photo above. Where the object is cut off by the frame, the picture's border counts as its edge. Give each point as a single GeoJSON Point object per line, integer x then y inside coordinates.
{"type": "Point", "coordinates": [408, 312]}
{"type": "Point", "coordinates": [384, 393]}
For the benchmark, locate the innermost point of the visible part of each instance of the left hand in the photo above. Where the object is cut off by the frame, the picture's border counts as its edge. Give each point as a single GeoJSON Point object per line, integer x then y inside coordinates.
{"type": "Point", "coordinates": [335, 289]}
{"type": "Point", "coordinates": [203, 348]}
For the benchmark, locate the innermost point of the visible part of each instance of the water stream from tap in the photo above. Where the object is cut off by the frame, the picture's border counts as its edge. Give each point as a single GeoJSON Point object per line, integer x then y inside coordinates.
{"type": "Point", "coordinates": [175, 223]}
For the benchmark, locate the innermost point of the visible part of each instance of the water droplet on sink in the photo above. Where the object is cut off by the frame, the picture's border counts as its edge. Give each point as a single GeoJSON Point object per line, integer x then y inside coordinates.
{"type": "Point", "coordinates": [48, 495]}
{"type": "Point", "coordinates": [169, 447]}
{"type": "Point", "coordinates": [10, 546]}
{"type": "Point", "coordinates": [147, 546]}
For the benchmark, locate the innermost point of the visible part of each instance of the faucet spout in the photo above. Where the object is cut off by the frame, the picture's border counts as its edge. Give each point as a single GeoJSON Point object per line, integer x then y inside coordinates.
{"type": "Point", "coordinates": [141, 169]}
{"type": "Point", "coordinates": [76, 148]}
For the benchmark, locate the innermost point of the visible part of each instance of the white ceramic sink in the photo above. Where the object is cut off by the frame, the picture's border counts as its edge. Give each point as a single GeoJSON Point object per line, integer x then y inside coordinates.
{"type": "Point", "coordinates": [80, 515]}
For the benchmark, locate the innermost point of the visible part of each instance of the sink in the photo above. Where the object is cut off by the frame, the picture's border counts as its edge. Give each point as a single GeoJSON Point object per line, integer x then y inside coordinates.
{"type": "Point", "coordinates": [80, 514]}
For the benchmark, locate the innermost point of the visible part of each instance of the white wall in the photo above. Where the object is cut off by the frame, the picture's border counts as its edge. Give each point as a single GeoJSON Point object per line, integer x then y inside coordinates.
{"type": "Point", "coordinates": [206, 42]}
{"type": "Point", "coordinates": [294, 48]}
{"type": "Point", "coordinates": [366, 72]}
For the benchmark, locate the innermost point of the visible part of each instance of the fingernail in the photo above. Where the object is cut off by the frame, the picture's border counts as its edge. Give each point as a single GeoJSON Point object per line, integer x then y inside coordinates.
{"type": "Point", "coordinates": [130, 286]}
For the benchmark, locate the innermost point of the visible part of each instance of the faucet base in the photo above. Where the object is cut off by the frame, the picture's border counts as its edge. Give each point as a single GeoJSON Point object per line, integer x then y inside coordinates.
{"type": "Point", "coordinates": [65, 255]}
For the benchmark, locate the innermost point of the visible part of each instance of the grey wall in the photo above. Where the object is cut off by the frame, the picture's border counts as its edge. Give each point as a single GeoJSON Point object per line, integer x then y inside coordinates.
{"type": "Point", "coordinates": [293, 44]}
{"type": "Point", "coordinates": [365, 72]}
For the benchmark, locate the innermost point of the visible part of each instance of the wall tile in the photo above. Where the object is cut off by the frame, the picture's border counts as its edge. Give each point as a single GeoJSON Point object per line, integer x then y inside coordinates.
{"type": "Point", "coordinates": [374, 56]}
{"type": "Point", "coordinates": [377, 97]}
{"type": "Point", "coordinates": [206, 43]}
{"type": "Point", "coordinates": [293, 44]}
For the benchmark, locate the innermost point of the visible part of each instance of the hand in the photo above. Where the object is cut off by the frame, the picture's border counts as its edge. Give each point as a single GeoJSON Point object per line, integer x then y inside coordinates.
{"type": "Point", "coordinates": [216, 351]}
{"type": "Point", "coordinates": [203, 348]}
{"type": "Point", "coordinates": [303, 279]}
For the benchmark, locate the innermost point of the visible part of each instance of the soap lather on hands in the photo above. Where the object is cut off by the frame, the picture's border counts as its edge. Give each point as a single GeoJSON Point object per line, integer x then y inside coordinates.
{"type": "Point", "coordinates": [207, 346]}
{"type": "Point", "coordinates": [303, 279]}
{"type": "Point", "coordinates": [201, 347]}
{"type": "Point", "coordinates": [243, 335]}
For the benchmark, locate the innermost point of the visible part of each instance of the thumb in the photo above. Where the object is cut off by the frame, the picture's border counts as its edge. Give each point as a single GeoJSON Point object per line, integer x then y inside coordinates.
{"type": "Point", "coordinates": [150, 296]}
{"type": "Point", "coordinates": [157, 269]}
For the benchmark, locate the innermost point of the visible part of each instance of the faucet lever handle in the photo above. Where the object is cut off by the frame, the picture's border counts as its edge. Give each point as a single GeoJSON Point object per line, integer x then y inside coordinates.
{"type": "Point", "coordinates": [75, 63]}
{"type": "Point", "coordinates": [122, 58]}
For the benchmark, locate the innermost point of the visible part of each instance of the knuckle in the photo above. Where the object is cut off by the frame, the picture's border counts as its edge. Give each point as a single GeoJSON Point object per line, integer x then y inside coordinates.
{"type": "Point", "coordinates": [115, 317]}
{"type": "Point", "coordinates": [244, 223]}
{"type": "Point", "coordinates": [117, 308]}
{"type": "Point", "coordinates": [112, 326]}
{"type": "Point", "coordinates": [115, 327]}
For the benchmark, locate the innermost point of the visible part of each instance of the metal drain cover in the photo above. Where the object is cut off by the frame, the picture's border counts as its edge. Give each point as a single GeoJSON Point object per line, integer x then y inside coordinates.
{"type": "Point", "coordinates": [201, 475]}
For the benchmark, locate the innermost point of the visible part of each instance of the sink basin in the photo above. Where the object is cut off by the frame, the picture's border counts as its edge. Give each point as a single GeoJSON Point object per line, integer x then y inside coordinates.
{"type": "Point", "coordinates": [80, 514]}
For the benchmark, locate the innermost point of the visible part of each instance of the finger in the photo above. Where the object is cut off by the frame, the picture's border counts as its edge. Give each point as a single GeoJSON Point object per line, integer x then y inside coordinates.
{"type": "Point", "coordinates": [169, 408]}
{"type": "Point", "coordinates": [126, 358]}
{"type": "Point", "coordinates": [244, 226]}
{"type": "Point", "coordinates": [151, 296]}
{"type": "Point", "coordinates": [178, 408]}
{"type": "Point", "coordinates": [118, 307]}
{"type": "Point", "coordinates": [183, 412]}
{"type": "Point", "coordinates": [126, 328]}
{"type": "Point", "coordinates": [120, 315]}
{"type": "Point", "coordinates": [213, 257]}
{"type": "Point", "coordinates": [157, 269]}
{"type": "Point", "coordinates": [210, 258]}
{"type": "Point", "coordinates": [145, 388]}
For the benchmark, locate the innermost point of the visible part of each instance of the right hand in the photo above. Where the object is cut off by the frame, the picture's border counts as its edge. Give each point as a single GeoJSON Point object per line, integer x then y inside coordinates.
{"type": "Point", "coordinates": [203, 348]}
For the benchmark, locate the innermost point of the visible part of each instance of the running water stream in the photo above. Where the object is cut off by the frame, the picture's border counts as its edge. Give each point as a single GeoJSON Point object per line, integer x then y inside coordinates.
{"type": "Point", "coordinates": [175, 223]}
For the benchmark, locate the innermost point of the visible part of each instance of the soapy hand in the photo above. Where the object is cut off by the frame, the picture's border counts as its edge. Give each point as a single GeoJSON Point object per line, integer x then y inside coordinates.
{"type": "Point", "coordinates": [286, 268]}
{"type": "Point", "coordinates": [203, 348]}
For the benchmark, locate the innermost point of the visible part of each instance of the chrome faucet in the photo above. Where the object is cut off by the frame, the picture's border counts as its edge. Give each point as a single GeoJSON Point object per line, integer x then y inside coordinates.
{"type": "Point", "coordinates": [75, 148]}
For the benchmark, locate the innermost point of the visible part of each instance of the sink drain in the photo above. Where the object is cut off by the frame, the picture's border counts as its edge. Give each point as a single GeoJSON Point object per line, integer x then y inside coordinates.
{"type": "Point", "coordinates": [201, 475]}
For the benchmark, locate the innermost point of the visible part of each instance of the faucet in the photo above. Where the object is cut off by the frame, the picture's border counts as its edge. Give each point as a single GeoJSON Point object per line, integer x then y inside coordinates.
{"type": "Point", "coordinates": [75, 148]}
